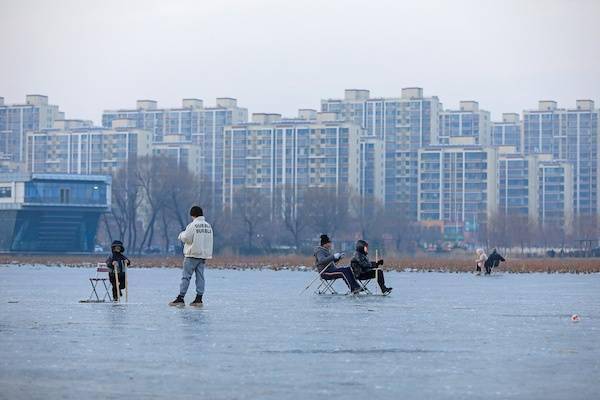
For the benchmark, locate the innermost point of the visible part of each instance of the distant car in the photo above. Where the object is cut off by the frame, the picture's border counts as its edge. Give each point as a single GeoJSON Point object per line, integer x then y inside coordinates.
{"type": "Point", "coordinates": [98, 249]}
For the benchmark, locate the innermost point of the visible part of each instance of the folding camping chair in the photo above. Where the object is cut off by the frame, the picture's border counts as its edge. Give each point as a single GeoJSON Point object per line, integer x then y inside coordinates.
{"type": "Point", "coordinates": [364, 284]}
{"type": "Point", "coordinates": [95, 282]}
{"type": "Point", "coordinates": [326, 286]}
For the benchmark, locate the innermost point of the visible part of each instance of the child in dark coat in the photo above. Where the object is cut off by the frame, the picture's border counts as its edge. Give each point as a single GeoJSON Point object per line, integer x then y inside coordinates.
{"type": "Point", "coordinates": [117, 261]}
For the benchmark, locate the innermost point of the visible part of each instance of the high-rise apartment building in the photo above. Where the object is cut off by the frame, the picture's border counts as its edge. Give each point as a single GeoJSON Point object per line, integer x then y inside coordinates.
{"type": "Point", "coordinates": [404, 124]}
{"type": "Point", "coordinates": [186, 120]}
{"type": "Point", "coordinates": [283, 157]}
{"type": "Point", "coordinates": [76, 147]}
{"type": "Point", "coordinates": [468, 121]}
{"type": "Point", "coordinates": [555, 195]}
{"type": "Point", "coordinates": [18, 119]}
{"type": "Point", "coordinates": [182, 151]}
{"type": "Point", "coordinates": [517, 184]}
{"type": "Point", "coordinates": [197, 124]}
{"type": "Point", "coordinates": [507, 132]}
{"type": "Point", "coordinates": [457, 185]}
{"type": "Point", "coordinates": [570, 135]}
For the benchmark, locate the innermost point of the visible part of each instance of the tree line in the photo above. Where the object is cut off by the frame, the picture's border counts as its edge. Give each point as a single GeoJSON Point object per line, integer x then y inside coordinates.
{"type": "Point", "coordinates": [152, 195]}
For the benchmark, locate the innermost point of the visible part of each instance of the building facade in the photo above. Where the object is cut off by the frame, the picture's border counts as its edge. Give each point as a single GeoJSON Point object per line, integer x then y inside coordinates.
{"type": "Point", "coordinates": [517, 184]}
{"type": "Point", "coordinates": [457, 185]}
{"type": "Point", "coordinates": [284, 157]}
{"type": "Point", "coordinates": [79, 148]}
{"type": "Point", "coordinates": [195, 123]}
{"type": "Point", "coordinates": [372, 180]}
{"type": "Point", "coordinates": [467, 121]}
{"type": "Point", "coordinates": [570, 135]}
{"type": "Point", "coordinates": [555, 195]}
{"type": "Point", "coordinates": [404, 124]}
{"type": "Point", "coordinates": [18, 119]}
{"type": "Point", "coordinates": [51, 212]}
{"type": "Point", "coordinates": [186, 120]}
{"type": "Point", "coordinates": [179, 149]}
{"type": "Point", "coordinates": [507, 132]}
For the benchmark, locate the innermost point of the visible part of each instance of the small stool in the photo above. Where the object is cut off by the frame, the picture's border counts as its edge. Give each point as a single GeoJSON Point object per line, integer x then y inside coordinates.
{"type": "Point", "coordinates": [95, 282]}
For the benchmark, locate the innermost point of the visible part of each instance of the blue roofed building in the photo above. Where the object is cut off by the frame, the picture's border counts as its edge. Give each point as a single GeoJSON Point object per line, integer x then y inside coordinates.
{"type": "Point", "coordinates": [51, 212]}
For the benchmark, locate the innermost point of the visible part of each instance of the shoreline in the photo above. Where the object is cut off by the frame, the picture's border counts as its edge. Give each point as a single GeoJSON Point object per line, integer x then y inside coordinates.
{"type": "Point", "coordinates": [304, 263]}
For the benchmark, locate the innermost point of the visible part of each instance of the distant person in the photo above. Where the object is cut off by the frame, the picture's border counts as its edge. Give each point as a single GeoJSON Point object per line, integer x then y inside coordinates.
{"type": "Point", "coordinates": [493, 261]}
{"type": "Point", "coordinates": [117, 261]}
{"type": "Point", "coordinates": [480, 260]}
{"type": "Point", "coordinates": [325, 264]}
{"type": "Point", "coordinates": [364, 269]}
{"type": "Point", "coordinates": [197, 241]}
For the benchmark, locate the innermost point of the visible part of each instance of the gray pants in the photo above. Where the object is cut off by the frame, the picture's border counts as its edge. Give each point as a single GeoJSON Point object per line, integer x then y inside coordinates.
{"type": "Point", "coordinates": [191, 265]}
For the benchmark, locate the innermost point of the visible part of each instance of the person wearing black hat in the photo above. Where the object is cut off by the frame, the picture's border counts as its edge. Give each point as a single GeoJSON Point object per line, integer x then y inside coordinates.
{"type": "Point", "coordinates": [325, 264]}
{"type": "Point", "coordinates": [364, 269]}
{"type": "Point", "coordinates": [117, 261]}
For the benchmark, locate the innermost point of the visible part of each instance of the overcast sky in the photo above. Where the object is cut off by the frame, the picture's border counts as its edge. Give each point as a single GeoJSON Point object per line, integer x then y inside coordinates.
{"type": "Point", "coordinates": [278, 56]}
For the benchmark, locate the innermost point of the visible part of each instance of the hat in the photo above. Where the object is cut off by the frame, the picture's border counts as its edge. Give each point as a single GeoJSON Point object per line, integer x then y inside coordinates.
{"type": "Point", "coordinates": [117, 243]}
{"type": "Point", "coordinates": [325, 239]}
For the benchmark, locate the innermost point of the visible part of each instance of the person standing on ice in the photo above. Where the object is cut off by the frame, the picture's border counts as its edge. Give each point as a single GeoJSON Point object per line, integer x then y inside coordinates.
{"type": "Point", "coordinates": [197, 241]}
{"type": "Point", "coordinates": [325, 263]}
{"type": "Point", "coordinates": [480, 260]}
{"type": "Point", "coordinates": [117, 263]}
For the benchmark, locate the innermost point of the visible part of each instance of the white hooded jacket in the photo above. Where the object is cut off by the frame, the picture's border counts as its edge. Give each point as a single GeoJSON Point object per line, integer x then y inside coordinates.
{"type": "Point", "coordinates": [197, 239]}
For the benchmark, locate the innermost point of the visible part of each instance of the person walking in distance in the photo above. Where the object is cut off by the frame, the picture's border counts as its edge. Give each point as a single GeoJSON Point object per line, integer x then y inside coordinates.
{"type": "Point", "coordinates": [197, 241]}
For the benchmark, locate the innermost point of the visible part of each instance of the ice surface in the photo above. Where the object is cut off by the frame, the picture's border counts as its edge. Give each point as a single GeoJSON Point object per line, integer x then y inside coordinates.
{"type": "Point", "coordinates": [437, 336]}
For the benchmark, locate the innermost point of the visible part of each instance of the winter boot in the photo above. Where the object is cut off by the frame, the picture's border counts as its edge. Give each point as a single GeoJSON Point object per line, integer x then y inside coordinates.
{"type": "Point", "coordinates": [386, 290]}
{"type": "Point", "coordinates": [357, 290]}
{"type": "Point", "coordinates": [197, 301]}
{"type": "Point", "coordinates": [178, 301]}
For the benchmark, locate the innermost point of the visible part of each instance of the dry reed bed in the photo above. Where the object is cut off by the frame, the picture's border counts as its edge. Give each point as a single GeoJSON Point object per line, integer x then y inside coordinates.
{"type": "Point", "coordinates": [294, 262]}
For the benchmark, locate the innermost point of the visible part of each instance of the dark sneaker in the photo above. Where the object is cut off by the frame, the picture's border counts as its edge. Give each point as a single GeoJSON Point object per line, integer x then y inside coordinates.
{"type": "Point", "coordinates": [387, 290]}
{"type": "Point", "coordinates": [177, 302]}
{"type": "Point", "coordinates": [197, 301]}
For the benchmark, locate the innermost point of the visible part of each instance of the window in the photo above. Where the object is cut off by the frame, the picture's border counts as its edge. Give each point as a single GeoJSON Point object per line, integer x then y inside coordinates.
{"type": "Point", "coordinates": [64, 196]}
{"type": "Point", "coordinates": [5, 192]}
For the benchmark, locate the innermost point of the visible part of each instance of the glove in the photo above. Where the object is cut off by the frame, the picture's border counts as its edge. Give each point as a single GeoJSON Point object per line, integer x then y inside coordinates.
{"type": "Point", "coordinates": [380, 262]}
{"type": "Point", "coordinates": [338, 256]}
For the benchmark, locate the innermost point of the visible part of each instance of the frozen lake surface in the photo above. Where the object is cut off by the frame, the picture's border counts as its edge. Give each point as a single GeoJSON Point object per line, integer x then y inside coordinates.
{"type": "Point", "coordinates": [438, 336]}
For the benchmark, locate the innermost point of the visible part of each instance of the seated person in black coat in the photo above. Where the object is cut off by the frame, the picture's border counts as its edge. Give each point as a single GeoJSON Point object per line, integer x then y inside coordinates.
{"type": "Point", "coordinates": [493, 261]}
{"type": "Point", "coordinates": [364, 269]}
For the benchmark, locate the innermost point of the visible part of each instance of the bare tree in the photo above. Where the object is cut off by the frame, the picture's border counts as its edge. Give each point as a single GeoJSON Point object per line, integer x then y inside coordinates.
{"type": "Point", "coordinates": [369, 216]}
{"type": "Point", "coordinates": [152, 173]}
{"type": "Point", "coordinates": [250, 208]}
{"type": "Point", "coordinates": [126, 200]}
{"type": "Point", "coordinates": [326, 210]}
{"type": "Point", "coordinates": [404, 234]}
{"type": "Point", "coordinates": [288, 208]}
